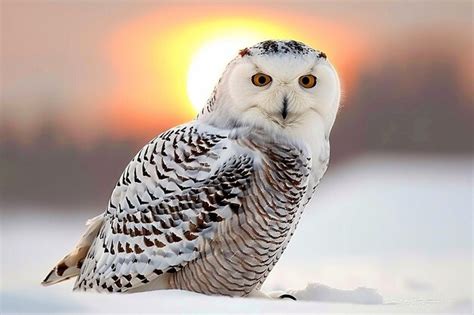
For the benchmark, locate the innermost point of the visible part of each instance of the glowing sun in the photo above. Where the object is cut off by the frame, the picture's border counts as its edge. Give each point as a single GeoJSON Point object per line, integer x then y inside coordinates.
{"type": "Point", "coordinates": [167, 63]}
{"type": "Point", "coordinates": [208, 63]}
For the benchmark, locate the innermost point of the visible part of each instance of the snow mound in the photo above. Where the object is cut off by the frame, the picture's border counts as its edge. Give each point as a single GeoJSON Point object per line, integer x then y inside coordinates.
{"type": "Point", "coordinates": [323, 293]}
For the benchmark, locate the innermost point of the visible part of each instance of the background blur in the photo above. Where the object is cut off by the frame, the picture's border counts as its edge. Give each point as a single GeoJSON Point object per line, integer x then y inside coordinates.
{"type": "Point", "coordinates": [84, 85]}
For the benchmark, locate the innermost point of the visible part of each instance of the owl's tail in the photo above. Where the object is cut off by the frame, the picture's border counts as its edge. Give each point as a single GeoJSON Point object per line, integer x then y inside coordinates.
{"type": "Point", "coordinates": [71, 264]}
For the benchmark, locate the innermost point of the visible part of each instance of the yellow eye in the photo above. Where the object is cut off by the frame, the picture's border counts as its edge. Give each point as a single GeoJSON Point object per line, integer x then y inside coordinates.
{"type": "Point", "coordinates": [261, 79]}
{"type": "Point", "coordinates": [307, 81]}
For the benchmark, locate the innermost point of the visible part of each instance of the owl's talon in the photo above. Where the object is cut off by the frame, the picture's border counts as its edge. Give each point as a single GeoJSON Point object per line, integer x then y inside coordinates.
{"type": "Point", "coordinates": [287, 296]}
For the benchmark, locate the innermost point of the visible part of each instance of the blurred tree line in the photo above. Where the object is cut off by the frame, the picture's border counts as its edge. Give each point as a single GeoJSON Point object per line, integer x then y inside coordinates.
{"type": "Point", "coordinates": [409, 105]}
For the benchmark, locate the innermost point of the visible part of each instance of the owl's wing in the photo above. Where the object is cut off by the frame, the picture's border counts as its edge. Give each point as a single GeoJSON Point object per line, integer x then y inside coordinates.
{"type": "Point", "coordinates": [170, 199]}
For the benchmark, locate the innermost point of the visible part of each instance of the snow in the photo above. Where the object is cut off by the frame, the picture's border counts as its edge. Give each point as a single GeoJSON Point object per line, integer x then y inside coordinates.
{"type": "Point", "coordinates": [385, 234]}
{"type": "Point", "coordinates": [324, 293]}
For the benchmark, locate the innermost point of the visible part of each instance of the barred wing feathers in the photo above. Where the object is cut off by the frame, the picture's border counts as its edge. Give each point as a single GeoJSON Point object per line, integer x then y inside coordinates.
{"type": "Point", "coordinates": [169, 199]}
{"type": "Point", "coordinates": [202, 209]}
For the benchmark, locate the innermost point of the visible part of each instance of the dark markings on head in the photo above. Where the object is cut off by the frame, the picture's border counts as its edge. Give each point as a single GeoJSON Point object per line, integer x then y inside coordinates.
{"type": "Point", "coordinates": [244, 52]}
{"type": "Point", "coordinates": [270, 47]}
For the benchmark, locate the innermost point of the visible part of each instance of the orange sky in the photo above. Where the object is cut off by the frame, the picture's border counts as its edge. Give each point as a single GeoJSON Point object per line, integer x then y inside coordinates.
{"type": "Point", "coordinates": [120, 68]}
{"type": "Point", "coordinates": [151, 57]}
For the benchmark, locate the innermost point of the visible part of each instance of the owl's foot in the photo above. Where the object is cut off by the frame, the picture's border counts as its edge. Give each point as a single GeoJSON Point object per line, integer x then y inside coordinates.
{"type": "Point", "coordinates": [287, 296]}
{"type": "Point", "coordinates": [272, 295]}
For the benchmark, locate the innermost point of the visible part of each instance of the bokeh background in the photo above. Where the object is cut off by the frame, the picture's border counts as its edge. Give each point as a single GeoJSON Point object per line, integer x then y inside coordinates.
{"type": "Point", "coordinates": [84, 85]}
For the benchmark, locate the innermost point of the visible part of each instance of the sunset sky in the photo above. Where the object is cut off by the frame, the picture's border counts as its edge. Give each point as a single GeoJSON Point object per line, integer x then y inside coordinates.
{"type": "Point", "coordinates": [132, 69]}
{"type": "Point", "coordinates": [85, 84]}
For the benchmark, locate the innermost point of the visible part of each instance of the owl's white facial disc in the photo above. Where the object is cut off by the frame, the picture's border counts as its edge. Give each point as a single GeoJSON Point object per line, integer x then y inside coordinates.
{"type": "Point", "coordinates": [285, 103]}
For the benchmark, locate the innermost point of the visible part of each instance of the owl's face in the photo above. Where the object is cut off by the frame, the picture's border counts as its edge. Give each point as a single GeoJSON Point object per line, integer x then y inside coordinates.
{"type": "Point", "coordinates": [282, 85]}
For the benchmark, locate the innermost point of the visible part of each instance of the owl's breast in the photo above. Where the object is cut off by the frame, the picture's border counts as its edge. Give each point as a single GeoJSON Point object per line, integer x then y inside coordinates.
{"type": "Point", "coordinates": [249, 244]}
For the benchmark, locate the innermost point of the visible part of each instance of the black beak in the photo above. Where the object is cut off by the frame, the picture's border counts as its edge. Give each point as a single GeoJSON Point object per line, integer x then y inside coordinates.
{"type": "Point", "coordinates": [284, 110]}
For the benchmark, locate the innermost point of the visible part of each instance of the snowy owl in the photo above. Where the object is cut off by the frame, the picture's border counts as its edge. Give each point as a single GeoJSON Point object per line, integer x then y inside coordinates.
{"type": "Point", "coordinates": [209, 206]}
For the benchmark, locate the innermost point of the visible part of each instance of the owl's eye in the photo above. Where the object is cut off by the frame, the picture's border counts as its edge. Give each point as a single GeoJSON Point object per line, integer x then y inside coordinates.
{"type": "Point", "coordinates": [307, 81]}
{"type": "Point", "coordinates": [261, 79]}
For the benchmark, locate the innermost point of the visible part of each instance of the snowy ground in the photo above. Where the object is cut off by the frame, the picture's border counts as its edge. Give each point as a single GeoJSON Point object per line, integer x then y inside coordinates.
{"type": "Point", "coordinates": [385, 234]}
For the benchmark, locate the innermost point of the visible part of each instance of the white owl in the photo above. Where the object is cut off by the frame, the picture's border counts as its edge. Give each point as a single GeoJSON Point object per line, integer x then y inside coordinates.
{"type": "Point", "coordinates": [209, 206]}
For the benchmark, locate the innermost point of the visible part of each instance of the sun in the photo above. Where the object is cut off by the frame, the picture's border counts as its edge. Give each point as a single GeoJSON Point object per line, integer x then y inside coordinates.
{"type": "Point", "coordinates": [167, 63]}
{"type": "Point", "coordinates": [208, 63]}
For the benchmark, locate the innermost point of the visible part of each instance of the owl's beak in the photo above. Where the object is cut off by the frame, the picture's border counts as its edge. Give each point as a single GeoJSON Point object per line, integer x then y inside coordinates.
{"type": "Point", "coordinates": [284, 110]}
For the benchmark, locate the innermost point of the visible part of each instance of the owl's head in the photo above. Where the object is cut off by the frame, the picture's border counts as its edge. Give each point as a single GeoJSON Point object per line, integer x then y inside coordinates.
{"type": "Point", "coordinates": [276, 85]}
